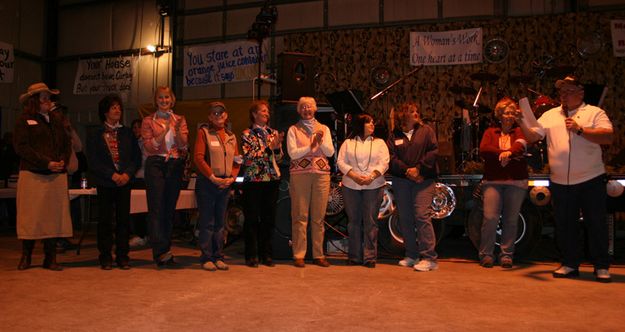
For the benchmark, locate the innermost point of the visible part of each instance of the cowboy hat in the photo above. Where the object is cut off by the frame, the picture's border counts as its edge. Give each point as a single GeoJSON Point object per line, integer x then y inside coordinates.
{"type": "Point", "coordinates": [36, 88]}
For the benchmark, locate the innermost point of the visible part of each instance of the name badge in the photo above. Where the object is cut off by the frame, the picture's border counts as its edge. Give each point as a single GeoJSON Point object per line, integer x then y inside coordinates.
{"type": "Point", "coordinates": [213, 143]}
{"type": "Point", "coordinates": [31, 122]}
{"type": "Point", "coordinates": [399, 141]}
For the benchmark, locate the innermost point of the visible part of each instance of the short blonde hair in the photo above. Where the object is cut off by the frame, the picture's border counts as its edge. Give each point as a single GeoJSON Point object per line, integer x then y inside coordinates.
{"type": "Point", "coordinates": [168, 90]}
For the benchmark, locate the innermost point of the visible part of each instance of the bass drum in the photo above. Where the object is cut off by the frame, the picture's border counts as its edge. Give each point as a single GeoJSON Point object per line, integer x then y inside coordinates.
{"type": "Point", "coordinates": [542, 105]}
{"type": "Point", "coordinates": [529, 228]}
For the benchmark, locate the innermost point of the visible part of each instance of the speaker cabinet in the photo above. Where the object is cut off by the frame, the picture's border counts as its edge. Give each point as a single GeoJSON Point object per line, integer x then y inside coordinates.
{"type": "Point", "coordinates": [296, 77]}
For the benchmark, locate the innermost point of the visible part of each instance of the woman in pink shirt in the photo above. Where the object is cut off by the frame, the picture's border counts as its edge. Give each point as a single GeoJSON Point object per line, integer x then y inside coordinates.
{"type": "Point", "coordinates": [165, 140]}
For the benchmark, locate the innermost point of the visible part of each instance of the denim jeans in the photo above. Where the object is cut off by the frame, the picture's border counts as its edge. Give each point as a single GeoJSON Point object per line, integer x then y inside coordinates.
{"type": "Point", "coordinates": [505, 201]}
{"type": "Point", "coordinates": [212, 204]}
{"type": "Point", "coordinates": [590, 198]}
{"type": "Point", "coordinates": [163, 181]}
{"type": "Point", "coordinates": [362, 208]}
{"type": "Point", "coordinates": [414, 201]}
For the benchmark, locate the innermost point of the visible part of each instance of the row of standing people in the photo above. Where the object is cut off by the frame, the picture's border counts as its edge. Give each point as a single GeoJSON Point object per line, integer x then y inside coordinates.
{"type": "Point", "coordinates": [409, 155]}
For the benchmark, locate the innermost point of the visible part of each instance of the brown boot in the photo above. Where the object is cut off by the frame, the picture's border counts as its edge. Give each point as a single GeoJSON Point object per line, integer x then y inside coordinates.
{"type": "Point", "coordinates": [27, 251]}
{"type": "Point", "coordinates": [49, 248]}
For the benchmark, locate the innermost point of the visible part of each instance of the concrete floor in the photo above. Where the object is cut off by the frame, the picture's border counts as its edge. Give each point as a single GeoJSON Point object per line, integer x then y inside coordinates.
{"type": "Point", "coordinates": [459, 296]}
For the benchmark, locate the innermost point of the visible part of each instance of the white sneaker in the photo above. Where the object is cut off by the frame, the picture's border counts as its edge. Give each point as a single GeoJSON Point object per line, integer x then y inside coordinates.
{"type": "Point", "coordinates": [426, 265]}
{"type": "Point", "coordinates": [407, 262]}
{"type": "Point", "coordinates": [138, 241]}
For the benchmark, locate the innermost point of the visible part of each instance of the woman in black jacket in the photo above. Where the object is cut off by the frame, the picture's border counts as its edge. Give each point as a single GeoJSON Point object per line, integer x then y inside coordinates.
{"type": "Point", "coordinates": [114, 158]}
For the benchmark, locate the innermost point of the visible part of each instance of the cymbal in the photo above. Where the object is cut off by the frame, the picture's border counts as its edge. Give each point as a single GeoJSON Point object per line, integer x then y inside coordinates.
{"type": "Point", "coordinates": [484, 77]}
{"type": "Point", "coordinates": [520, 78]}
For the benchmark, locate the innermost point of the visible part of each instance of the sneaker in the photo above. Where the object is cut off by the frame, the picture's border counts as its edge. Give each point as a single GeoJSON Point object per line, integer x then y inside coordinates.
{"type": "Point", "coordinates": [138, 241]}
{"type": "Point", "coordinates": [426, 265]}
{"type": "Point", "coordinates": [221, 265]}
{"type": "Point", "coordinates": [407, 262]}
{"type": "Point", "coordinates": [209, 266]}
{"type": "Point", "coordinates": [602, 275]}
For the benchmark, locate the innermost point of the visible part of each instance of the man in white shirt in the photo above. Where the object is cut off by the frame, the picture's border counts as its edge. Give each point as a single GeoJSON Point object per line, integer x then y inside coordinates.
{"type": "Point", "coordinates": [575, 132]}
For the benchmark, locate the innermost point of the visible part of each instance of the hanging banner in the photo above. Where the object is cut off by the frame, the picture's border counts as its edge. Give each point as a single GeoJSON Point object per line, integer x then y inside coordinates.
{"type": "Point", "coordinates": [104, 76]}
{"type": "Point", "coordinates": [618, 37]}
{"type": "Point", "coordinates": [456, 47]}
{"type": "Point", "coordinates": [222, 63]}
{"type": "Point", "coordinates": [7, 61]}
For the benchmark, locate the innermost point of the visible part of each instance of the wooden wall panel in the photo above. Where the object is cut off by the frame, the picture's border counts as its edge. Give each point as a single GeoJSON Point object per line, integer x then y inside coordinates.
{"type": "Point", "coordinates": [203, 25]}
{"type": "Point", "coordinates": [346, 12]}
{"type": "Point", "coordinates": [300, 16]}
{"type": "Point", "coordinates": [405, 10]}
{"type": "Point", "coordinates": [460, 8]}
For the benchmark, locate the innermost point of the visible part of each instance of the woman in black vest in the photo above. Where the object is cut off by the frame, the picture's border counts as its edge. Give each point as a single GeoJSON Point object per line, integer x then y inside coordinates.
{"type": "Point", "coordinates": [114, 157]}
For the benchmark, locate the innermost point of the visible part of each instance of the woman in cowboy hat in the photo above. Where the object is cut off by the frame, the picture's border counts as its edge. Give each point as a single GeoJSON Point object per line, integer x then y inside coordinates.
{"type": "Point", "coordinates": [42, 199]}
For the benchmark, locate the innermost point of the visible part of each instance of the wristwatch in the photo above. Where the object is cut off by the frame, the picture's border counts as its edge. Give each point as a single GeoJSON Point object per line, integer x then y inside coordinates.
{"type": "Point", "coordinates": [580, 131]}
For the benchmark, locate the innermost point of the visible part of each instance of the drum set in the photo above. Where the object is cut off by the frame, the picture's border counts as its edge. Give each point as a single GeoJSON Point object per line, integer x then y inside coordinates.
{"type": "Point", "coordinates": [475, 116]}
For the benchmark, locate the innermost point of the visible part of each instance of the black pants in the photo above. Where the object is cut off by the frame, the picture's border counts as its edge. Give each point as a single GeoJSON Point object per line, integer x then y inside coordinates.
{"type": "Point", "coordinates": [259, 207]}
{"type": "Point", "coordinates": [113, 207]}
{"type": "Point", "coordinates": [590, 198]}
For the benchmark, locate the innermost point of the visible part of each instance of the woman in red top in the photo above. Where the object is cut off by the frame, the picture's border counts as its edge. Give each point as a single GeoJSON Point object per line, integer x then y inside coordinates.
{"type": "Point", "coordinates": [504, 185]}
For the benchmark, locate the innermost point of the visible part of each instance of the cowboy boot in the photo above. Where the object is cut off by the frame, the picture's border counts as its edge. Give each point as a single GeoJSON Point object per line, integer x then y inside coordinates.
{"type": "Point", "coordinates": [27, 251]}
{"type": "Point", "coordinates": [49, 248]}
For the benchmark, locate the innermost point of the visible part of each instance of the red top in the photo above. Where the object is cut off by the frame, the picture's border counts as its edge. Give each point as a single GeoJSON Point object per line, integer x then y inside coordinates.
{"type": "Point", "coordinates": [516, 169]}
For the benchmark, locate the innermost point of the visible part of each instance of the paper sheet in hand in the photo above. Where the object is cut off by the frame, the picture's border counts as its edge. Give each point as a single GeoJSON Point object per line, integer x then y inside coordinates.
{"type": "Point", "coordinates": [528, 116]}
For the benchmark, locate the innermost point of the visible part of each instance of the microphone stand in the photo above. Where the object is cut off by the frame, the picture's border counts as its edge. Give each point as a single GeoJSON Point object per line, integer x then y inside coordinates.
{"type": "Point", "coordinates": [390, 86]}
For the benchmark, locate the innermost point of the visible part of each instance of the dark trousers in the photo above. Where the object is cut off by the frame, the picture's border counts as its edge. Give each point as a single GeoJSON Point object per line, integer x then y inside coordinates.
{"type": "Point", "coordinates": [163, 181]}
{"type": "Point", "coordinates": [259, 207]}
{"type": "Point", "coordinates": [589, 198]}
{"type": "Point", "coordinates": [113, 208]}
{"type": "Point", "coordinates": [212, 203]}
{"type": "Point", "coordinates": [362, 208]}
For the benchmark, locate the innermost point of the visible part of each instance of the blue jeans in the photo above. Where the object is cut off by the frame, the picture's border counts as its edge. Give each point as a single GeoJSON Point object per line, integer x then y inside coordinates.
{"type": "Point", "coordinates": [362, 208]}
{"type": "Point", "coordinates": [505, 201]}
{"type": "Point", "coordinates": [414, 201]}
{"type": "Point", "coordinates": [163, 181]}
{"type": "Point", "coordinates": [212, 204]}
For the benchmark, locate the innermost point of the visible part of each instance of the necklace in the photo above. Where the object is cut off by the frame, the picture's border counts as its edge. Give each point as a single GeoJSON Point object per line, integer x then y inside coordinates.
{"type": "Point", "coordinates": [356, 155]}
